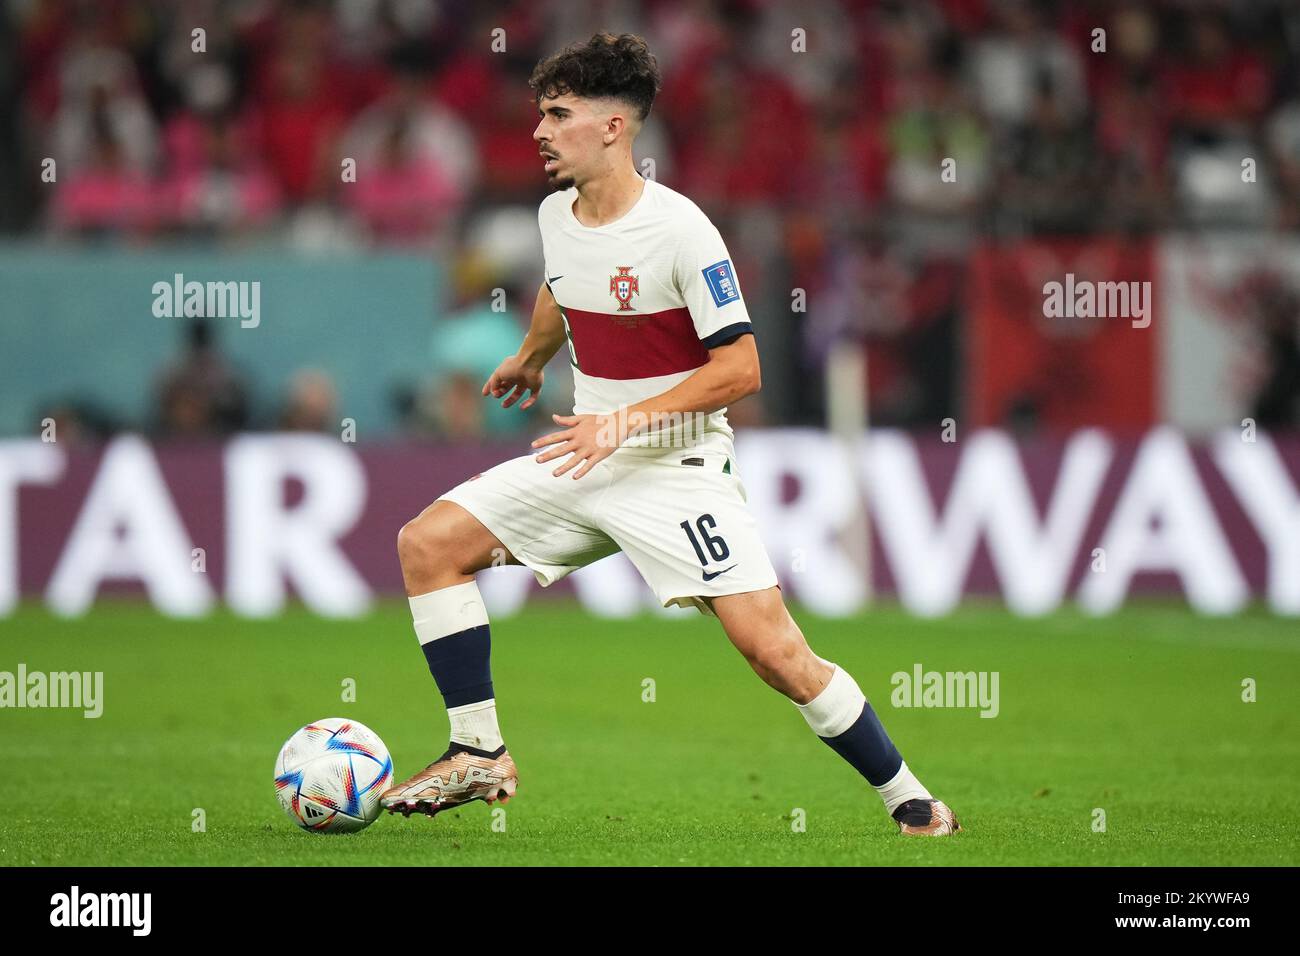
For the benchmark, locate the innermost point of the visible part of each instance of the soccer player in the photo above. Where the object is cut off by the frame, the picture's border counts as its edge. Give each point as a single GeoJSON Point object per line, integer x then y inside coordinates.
{"type": "Point", "coordinates": [640, 289]}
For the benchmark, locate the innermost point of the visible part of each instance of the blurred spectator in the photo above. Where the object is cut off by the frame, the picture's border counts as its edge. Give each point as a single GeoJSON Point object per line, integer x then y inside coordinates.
{"type": "Point", "coordinates": [217, 183]}
{"type": "Point", "coordinates": [100, 101]}
{"type": "Point", "coordinates": [1284, 150]}
{"type": "Point", "coordinates": [1217, 92]}
{"type": "Point", "coordinates": [826, 28]}
{"type": "Point", "coordinates": [466, 347]}
{"type": "Point", "coordinates": [456, 408]}
{"type": "Point", "coordinates": [200, 394]}
{"type": "Point", "coordinates": [311, 405]}
{"type": "Point", "coordinates": [409, 141]}
{"type": "Point", "coordinates": [851, 162]}
{"type": "Point", "coordinates": [103, 139]}
{"type": "Point", "coordinates": [729, 152]}
{"type": "Point", "coordinates": [1218, 85]}
{"type": "Point", "coordinates": [227, 191]}
{"type": "Point", "coordinates": [1276, 314]}
{"type": "Point", "coordinates": [1132, 123]}
{"type": "Point", "coordinates": [298, 111]}
{"type": "Point", "coordinates": [1051, 180]}
{"type": "Point", "coordinates": [105, 194]}
{"type": "Point", "coordinates": [938, 123]}
{"type": "Point", "coordinates": [1019, 57]}
{"type": "Point", "coordinates": [76, 421]}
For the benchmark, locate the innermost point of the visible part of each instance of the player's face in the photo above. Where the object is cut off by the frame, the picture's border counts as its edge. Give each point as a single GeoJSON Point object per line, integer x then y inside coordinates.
{"type": "Point", "coordinates": [569, 138]}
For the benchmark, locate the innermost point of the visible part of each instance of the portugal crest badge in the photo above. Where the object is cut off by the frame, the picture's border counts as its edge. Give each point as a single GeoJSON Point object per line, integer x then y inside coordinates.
{"type": "Point", "coordinates": [622, 286]}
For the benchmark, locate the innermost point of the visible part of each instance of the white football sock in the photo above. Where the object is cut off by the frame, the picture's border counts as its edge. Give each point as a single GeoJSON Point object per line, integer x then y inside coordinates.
{"type": "Point", "coordinates": [448, 611]}
{"type": "Point", "coordinates": [902, 788]}
{"type": "Point", "coordinates": [834, 711]}
{"type": "Point", "coordinates": [475, 725]}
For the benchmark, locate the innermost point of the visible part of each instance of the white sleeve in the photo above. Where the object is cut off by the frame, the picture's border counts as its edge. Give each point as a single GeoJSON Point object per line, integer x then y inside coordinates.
{"type": "Point", "coordinates": [707, 282]}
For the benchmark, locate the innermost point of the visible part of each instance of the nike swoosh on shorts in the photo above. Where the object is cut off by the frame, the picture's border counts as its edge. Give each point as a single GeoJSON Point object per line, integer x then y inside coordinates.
{"type": "Point", "coordinates": [710, 575]}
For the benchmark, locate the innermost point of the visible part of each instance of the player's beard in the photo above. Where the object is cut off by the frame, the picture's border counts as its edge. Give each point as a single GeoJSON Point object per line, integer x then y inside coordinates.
{"type": "Point", "coordinates": [556, 179]}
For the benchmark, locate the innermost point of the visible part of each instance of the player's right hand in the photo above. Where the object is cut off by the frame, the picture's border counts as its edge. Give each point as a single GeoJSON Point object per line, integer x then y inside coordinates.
{"type": "Point", "coordinates": [513, 376]}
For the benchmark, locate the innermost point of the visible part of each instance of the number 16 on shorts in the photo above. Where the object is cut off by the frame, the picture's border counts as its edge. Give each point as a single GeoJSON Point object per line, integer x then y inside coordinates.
{"type": "Point", "coordinates": [702, 537]}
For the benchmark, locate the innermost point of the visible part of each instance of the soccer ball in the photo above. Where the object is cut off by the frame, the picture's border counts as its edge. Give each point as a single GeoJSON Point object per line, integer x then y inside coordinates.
{"type": "Point", "coordinates": [329, 776]}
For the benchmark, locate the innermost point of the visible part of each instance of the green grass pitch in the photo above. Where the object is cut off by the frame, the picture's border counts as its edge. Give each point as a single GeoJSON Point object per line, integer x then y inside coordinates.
{"type": "Point", "coordinates": [1140, 714]}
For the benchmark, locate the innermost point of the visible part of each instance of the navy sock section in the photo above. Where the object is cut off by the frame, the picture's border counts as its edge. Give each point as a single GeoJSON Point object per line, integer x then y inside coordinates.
{"type": "Point", "coordinates": [868, 748]}
{"type": "Point", "coordinates": [460, 665]}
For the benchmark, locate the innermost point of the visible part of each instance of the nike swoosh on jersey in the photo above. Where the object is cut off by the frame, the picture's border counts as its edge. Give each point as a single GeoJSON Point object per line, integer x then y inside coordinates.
{"type": "Point", "coordinates": [554, 279]}
{"type": "Point", "coordinates": [710, 575]}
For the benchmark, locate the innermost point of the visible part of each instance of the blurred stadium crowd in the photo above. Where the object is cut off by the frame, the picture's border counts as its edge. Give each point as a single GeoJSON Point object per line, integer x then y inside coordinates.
{"type": "Point", "coordinates": [820, 167]}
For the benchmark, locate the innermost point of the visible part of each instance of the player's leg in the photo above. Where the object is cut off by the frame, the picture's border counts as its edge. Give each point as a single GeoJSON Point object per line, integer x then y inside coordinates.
{"type": "Point", "coordinates": [440, 551]}
{"type": "Point", "coordinates": [761, 628]}
{"type": "Point", "coordinates": [515, 513]}
{"type": "Point", "coordinates": [682, 520]}
{"type": "Point", "coordinates": [445, 545]}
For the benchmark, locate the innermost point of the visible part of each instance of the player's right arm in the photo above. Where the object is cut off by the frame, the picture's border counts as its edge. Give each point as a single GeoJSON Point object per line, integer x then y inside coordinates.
{"type": "Point", "coordinates": [522, 372]}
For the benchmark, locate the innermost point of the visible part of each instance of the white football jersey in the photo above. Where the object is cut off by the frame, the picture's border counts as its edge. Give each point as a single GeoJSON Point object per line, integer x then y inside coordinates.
{"type": "Point", "coordinates": [644, 298]}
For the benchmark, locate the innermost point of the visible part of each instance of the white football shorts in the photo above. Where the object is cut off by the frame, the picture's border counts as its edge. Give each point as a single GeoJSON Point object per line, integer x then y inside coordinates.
{"type": "Point", "coordinates": [679, 514]}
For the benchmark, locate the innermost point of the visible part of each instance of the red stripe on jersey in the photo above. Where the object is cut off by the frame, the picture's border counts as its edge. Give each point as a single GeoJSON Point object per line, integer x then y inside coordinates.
{"type": "Point", "coordinates": [623, 345]}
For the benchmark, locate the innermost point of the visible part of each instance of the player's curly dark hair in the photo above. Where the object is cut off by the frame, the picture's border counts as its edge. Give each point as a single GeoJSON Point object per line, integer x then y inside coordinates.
{"type": "Point", "coordinates": [620, 66]}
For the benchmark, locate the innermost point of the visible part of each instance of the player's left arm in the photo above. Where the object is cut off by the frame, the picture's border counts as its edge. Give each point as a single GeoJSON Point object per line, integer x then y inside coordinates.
{"type": "Point", "coordinates": [708, 285]}
{"type": "Point", "coordinates": [731, 373]}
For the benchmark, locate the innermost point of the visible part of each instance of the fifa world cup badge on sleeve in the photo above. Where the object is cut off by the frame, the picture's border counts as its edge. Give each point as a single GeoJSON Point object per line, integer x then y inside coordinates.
{"type": "Point", "coordinates": [722, 283]}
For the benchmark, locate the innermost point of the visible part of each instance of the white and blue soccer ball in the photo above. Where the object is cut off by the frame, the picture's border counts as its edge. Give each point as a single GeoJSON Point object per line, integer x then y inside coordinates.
{"type": "Point", "coordinates": [329, 776]}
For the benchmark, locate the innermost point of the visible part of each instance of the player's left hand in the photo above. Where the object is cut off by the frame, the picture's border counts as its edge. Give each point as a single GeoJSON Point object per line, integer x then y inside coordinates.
{"type": "Point", "coordinates": [588, 438]}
